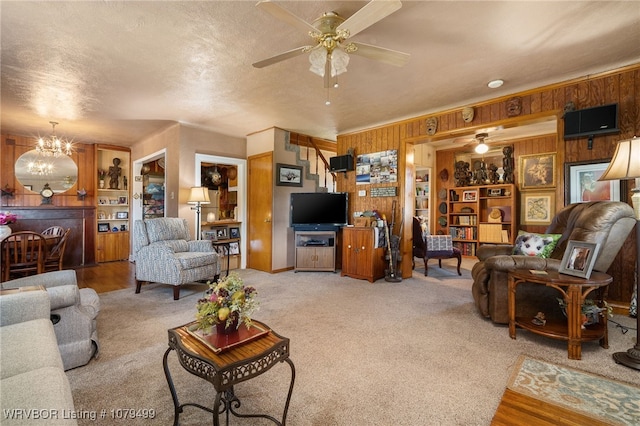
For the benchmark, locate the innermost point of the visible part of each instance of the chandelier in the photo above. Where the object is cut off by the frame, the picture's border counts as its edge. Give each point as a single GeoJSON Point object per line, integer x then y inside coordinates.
{"type": "Point", "coordinates": [40, 168]}
{"type": "Point", "coordinates": [53, 146]}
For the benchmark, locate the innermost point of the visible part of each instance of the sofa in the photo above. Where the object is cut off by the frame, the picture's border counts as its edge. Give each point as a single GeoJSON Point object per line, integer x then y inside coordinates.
{"type": "Point", "coordinates": [164, 253]}
{"type": "Point", "coordinates": [74, 312]}
{"type": "Point", "coordinates": [34, 386]}
{"type": "Point", "coordinates": [605, 222]}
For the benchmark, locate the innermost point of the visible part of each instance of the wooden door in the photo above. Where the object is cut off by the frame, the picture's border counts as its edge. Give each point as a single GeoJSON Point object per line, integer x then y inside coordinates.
{"type": "Point", "coordinates": [259, 212]}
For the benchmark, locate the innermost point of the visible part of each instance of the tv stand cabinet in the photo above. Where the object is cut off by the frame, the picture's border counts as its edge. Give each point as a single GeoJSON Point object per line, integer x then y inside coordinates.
{"type": "Point", "coordinates": [315, 251]}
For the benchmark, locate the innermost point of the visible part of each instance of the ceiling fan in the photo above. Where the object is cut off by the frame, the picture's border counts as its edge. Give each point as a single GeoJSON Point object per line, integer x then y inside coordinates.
{"type": "Point", "coordinates": [331, 33]}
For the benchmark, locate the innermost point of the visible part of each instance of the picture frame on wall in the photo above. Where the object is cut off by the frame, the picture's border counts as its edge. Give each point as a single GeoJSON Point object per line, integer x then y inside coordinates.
{"type": "Point", "coordinates": [537, 171]}
{"type": "Point", "coordinates": [288, 175]}
{"type": "Point", "coordinates": [582, 185]}
{"type": "Point", "coordinates": [579, 258]}
{"type": "Point", "coordinates": [537, 208]}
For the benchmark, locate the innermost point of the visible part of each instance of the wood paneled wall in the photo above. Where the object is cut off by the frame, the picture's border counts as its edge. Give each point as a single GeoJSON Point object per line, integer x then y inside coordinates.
{"type": "Point", "coordinates": [620, 86]}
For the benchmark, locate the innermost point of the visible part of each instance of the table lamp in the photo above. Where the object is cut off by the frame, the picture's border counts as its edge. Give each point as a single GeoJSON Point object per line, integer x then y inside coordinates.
{"type": "Point", "coordinates": [626, 165]}
{"type": "Point", "coordinates": [199, 195]}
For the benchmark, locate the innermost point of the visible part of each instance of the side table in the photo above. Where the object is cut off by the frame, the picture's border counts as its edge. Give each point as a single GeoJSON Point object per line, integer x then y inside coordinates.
{"type": "Point", "coordinates": [574, 291]}
{"type": "Point", "coordinates": [226, 369]}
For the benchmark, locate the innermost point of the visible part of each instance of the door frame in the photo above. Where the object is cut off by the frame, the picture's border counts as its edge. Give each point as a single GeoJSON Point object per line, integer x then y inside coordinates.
{"type": "Point", "coordinates": [241, 164]}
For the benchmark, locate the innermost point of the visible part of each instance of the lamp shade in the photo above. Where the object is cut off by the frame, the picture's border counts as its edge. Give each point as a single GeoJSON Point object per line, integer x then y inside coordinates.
{"type": "Point", "coordinates": [199, 194]}
{"type": "Point", "coordinates": [626, 161]}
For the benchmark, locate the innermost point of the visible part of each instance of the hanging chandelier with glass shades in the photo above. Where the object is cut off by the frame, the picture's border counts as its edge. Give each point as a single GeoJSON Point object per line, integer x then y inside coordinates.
{"type": "Point", "coordinates": [53, 146]}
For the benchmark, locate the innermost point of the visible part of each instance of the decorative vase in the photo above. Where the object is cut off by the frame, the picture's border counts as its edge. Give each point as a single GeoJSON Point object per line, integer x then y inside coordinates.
{"type": "Point", "coordinates": [101, 183]}
{"type": "Point", "coordinates": [5, 231]}
{"type": "Point", "coordinates": [222, 328]}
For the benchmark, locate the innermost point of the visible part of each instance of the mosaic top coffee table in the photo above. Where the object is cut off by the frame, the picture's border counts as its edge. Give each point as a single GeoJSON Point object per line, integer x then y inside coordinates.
{"type": "Point", "coordinates": [225, 361]}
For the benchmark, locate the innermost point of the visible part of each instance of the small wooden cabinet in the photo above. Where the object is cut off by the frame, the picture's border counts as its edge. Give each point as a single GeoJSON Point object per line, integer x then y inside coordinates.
{"type": "Point", "coordinates": [315, 251]}
{"type": "Point", "coordinates": [361, 258]}
{"type": "Point", "coordinates": [112, 246]}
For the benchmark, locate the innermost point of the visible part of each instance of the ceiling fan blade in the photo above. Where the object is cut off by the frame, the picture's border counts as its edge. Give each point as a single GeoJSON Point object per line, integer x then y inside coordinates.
{"type": "Point", "coordinates": [282, 56]}
{"type": "Point", "coordinates": [371, 13]}
{"type": "Point", "coordinates": [285, 16]}
{"type": "Point", "coordinates": [392, 57]}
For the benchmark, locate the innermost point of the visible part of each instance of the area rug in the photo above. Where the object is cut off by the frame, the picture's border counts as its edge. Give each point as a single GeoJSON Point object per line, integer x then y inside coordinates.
{"type": "Point", "coordinates": [613, 402]}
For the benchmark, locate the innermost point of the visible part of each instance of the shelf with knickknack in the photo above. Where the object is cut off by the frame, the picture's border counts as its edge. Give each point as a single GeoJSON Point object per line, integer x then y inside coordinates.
{"type": "Point", "coordinates": [112, 203]}
{"type": "Point", "coordinates": [422, 198]}
{"type": "Point", "coordinates": [481, 214]}
{"type": "Point", "coordinates": [225, 237]}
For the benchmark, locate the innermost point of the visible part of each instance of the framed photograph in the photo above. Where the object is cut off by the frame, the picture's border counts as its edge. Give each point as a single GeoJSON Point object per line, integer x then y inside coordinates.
{"type": "Point", "coordinates": [537, 171]}
{"type": "Point", "coordinates": [210, 235]}
{"type": "Point", "coordinates": [537, 208]}
{"type": "Point", "coordinates": [582, 185]}
{"type": "Point", "coordinates": [122, 215]}
{"type": "Point", "coordinates": [234, 248]}
{"type": "Point", "coordinates": [123, 199]}
{"type": "Point", "coordinates": [103, 227]}
{"type": "Point", "coordinates": [234, 232]}
{"type": "Point", "coordinates": [579, 258]}
{"type": "Point", "coordinates": [103, 200]}
{"type": "Point", "coordinates": [221, 233]}
{"type": "Point", "coordinates": [287, 175]}
{"type": "Point", "coordinates": [469, 195]}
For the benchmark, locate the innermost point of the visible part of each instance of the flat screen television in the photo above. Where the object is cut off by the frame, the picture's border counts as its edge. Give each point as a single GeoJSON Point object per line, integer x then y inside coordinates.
{"type": "Point", "coordinates": [319, 210]}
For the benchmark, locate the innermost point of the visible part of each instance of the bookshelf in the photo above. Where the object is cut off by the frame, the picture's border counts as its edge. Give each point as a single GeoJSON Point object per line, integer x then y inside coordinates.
{"type": "Point", "coordinates": [481, 215]}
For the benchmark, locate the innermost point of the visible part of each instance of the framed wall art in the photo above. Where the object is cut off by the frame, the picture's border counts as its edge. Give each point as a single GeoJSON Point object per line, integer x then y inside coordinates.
{"type": "Point", "coordinates": [287, 175]}
{"type": "Point", "coordinates": [537, 171]}
{"type": "Point", "coordinates": [377, 167]}
{"type": "Point", "coordinates": [579, 258]}
{"type": "Point", "coordinates": [582, 185]}
{"type": "Point", "coordinates": [537, 208]}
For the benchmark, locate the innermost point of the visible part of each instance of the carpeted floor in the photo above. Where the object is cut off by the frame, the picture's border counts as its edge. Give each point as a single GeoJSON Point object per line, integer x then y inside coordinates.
{"type": "Point", "coordinates": [408, 353]}
{"type": "Point", "coordinates": [607, 400]}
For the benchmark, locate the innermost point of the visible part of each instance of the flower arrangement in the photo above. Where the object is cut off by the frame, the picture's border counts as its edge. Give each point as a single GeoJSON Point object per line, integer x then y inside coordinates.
{"type": "Point", "coordinates": [102, 173]}
{"type": "Point", "coordinates": [7, 218]}
{"type": "Point", "coordinates": [227, 301]}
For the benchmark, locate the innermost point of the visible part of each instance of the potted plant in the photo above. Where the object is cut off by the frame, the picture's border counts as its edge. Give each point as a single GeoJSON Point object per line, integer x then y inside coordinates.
{"type": "Point", "coordinates": [227, 304]}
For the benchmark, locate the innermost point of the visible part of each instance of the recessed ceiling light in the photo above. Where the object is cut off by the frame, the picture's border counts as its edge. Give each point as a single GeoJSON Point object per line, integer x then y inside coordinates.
{"type": "Point", "coordinates": [494, 84]}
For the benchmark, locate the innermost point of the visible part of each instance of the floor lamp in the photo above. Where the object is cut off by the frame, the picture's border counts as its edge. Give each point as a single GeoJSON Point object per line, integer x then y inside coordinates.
{"type": "Point", "coordinates": [626, 165]}
{"type": "Point", "coordinates": [199, 195]}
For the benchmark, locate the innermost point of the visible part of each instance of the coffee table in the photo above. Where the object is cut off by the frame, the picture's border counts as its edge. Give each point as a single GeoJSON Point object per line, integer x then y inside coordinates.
{"type": "Point", "coordinates": [227, 368]}
{"type": "Point", "coordinates": [574, 291]}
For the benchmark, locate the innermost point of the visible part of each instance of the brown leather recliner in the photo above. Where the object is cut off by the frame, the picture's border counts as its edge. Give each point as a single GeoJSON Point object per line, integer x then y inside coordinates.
{"type": "Point", "coordinates": [605, 222]}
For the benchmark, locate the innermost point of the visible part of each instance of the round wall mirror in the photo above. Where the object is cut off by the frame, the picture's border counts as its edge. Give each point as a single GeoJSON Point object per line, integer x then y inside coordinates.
{"type": "Point", "coordinates": [33, 171]}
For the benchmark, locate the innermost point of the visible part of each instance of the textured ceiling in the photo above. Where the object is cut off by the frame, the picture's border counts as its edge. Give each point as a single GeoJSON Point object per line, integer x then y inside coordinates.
{"type": "Point", "coordinates": [116, 71]}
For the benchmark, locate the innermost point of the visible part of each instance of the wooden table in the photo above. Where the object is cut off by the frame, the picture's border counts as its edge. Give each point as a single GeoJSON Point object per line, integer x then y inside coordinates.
{"type": "Point", "coordinates": [574, 291]}
{"type": "Point", "coordinates": [226, 369]}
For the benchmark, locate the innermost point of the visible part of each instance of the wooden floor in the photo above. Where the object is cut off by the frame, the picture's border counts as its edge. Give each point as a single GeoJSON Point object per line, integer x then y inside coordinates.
{"type": "Point", "coordinates": [516, 409]}
{"type": "Point", "coordinates": [107, 276]}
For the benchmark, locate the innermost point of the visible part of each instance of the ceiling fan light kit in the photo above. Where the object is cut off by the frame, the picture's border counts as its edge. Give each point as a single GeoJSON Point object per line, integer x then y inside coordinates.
{"type": "Point", "coordinates": [329, 57]}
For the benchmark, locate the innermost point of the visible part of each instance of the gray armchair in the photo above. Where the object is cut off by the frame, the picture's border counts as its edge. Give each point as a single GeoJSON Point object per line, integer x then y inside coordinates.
{"type": "Point", "coordinates": [605, 222]}
{"type": "Point", "coordinates": [164, 253]}
{"type": "Point", "coordinates": [73, 312]}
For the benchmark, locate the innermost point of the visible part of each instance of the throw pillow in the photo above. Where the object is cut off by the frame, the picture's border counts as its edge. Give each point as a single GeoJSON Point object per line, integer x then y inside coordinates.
{"type": "Point", "coordinates": [531, 244]}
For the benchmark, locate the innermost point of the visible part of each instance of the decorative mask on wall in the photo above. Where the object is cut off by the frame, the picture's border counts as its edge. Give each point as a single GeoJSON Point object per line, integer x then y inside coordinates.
{"type": "Point", "coordinates": [467, 114]}
{"type": "Point", "coordinates": [432, 125]}
{"type": "Point", "coordinates": [514, 106]}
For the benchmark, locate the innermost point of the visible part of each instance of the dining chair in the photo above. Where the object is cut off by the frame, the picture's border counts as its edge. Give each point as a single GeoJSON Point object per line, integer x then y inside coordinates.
{"type": "Point", "coordinates": [57, 231]}
{"type": "Point", "coordinates": [22, 254]}
{"type": "Point", "coordinates": [54, 257]}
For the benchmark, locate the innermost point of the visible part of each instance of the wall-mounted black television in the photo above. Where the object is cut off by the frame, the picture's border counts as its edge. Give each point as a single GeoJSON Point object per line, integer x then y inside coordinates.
{"type": "Point", "coordinates": [591, 121]}
{"type": "Point", "coordinates": [319, 210]}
